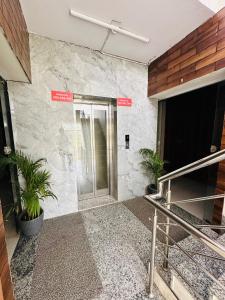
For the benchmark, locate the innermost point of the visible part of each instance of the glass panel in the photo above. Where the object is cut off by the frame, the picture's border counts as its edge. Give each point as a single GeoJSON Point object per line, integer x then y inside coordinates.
{"type": "Point", "coordinates": [100, 136]}
{"type": "Point", "coordinates": [84, 151]}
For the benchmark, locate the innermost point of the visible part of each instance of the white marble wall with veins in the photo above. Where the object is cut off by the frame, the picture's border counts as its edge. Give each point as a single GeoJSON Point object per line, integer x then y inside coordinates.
{"type": "Point", "coordinates": [46, 129]}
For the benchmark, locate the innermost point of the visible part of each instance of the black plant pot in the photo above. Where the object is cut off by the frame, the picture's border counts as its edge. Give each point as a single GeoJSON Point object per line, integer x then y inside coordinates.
{"type": "Point", "coordinates": [151, 189]}
{"type": "Point", "coordinates": [32, 227]}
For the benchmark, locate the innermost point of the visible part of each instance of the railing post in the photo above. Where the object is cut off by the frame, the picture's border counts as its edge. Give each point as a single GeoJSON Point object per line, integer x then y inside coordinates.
{"type": "Point", "coordinates": [152, 262]}
{"type": "Point", "coordinates": [166, 250]}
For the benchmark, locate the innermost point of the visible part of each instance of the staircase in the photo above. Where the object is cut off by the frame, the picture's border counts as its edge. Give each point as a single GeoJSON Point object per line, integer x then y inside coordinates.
{"type": "Point", "coordinates": [199, 286]}
{"type": "Point", "coordinates": [193, 268]}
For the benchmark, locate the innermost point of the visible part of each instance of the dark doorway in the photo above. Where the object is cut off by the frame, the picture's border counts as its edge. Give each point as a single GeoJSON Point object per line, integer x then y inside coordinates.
{"type": "Point", "coordinates": [189, 128]}
{"type": "Point", "coordinates": [6, 190]}
{"type": "Point", "coordinates": [8, 176]}
{"type": "Point", "coordinates": [6, 194]}
{"type": "Point", "coordinates": [192, 131]}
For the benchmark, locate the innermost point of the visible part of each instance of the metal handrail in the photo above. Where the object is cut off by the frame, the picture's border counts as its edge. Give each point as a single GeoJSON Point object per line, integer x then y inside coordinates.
{"type": "Point", "coordinates": [211, 226]}
{"type": "Point", "coordinates": [193, 260]}
{"type": "Point", "coordinates": [192, 252]}
{"type": "Point", "coordinates": [199, 164]}
{"type": "Point", "coordinates": [219, 249]}
{"type": "Point", "coordinates": [212, 244]}
{"type": "Point", "coordinates": [213, 197]}
{"type": "Point", "coordinates": [179, 273]}
{"type": "Point", "coordinates": [165, 209]}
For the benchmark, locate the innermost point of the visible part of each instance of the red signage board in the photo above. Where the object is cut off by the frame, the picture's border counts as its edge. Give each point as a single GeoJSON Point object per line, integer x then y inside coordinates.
{"type": "Point", "coordinates": [62, 96]}
{"type": "Point", "coordinates": [124, 102]}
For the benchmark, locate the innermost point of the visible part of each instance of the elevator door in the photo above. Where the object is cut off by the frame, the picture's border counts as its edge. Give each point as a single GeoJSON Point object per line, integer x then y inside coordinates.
{"type": "Point", "coordinates": [92, 149]}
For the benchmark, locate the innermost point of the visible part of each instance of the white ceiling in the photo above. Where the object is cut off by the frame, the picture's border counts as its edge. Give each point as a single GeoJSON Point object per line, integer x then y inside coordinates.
{"type": "Point", "coordinates": [165, 22]}
{"type": "Point", "coordinates": [10, 68]}
{"type": "Point", "coordinates": [214, 5]}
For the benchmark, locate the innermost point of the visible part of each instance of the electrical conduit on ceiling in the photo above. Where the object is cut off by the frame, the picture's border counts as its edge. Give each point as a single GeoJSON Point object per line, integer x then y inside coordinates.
{"type": "Point", "coordinates": [113, 29]}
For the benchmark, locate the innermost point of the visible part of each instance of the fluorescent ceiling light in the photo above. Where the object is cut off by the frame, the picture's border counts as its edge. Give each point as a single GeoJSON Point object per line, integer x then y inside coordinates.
{"type": "Point", "coordinates": [109, 26]}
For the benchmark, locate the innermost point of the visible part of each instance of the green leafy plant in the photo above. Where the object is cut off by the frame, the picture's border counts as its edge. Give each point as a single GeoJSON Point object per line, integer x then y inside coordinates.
{"type": "Point", "coordinates": [152, 163]}
{"type": "Point", "coordinates": [36, 186]}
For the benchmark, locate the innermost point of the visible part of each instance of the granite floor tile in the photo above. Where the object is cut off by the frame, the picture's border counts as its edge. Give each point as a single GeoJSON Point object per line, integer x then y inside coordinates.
{"type": "Point", "coordinates": [64, 268]}
{"type": "Point", "coordinates": [121, 247]}
{"type": "Point", "coordinates": [98, 254]}
{"type": "Point", "coordinates": [22, 265]}
{"type": "Point", "coordinates": [95, 202]}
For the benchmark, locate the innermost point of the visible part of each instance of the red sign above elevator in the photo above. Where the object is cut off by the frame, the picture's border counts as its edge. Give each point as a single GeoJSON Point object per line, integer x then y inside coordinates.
{"type": "Point", "coordinates": [124, 102]}
{"type": "Point", "coordinates": [61, 96]}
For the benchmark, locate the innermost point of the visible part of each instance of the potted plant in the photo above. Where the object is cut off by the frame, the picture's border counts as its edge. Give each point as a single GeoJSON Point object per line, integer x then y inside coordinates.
{"type": "Point", "coordinates": [35, 186]}
{"type": "Point", "coordinates": [153, 165]}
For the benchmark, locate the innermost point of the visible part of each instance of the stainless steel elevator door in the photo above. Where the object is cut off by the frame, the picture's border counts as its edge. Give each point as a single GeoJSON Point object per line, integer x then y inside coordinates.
{"type": "Point", "coordinates": [92, 149]}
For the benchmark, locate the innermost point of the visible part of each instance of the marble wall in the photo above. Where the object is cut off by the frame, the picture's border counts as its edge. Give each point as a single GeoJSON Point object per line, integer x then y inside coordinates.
{"type": "Point", "coordinates": [45, 129]}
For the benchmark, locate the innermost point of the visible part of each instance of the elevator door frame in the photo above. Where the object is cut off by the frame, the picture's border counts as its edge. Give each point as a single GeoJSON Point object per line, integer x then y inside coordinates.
{"type": "Point", "coordinates": [107, 107]}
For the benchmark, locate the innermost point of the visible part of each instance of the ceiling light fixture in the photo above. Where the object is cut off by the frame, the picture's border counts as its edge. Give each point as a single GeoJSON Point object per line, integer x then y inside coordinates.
{"type": "Point", "coordinates": [109, 26]}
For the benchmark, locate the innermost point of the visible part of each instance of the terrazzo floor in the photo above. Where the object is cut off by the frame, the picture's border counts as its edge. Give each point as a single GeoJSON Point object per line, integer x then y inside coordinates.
{"type": "Point", "coordinates": [98, 254]}
{"type": "Point", "coordinates": [95, 202]}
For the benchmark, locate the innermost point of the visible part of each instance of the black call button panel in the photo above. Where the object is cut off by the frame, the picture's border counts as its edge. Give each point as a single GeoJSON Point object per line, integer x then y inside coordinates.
{"type": "Point", "coordinates": [127, 141]}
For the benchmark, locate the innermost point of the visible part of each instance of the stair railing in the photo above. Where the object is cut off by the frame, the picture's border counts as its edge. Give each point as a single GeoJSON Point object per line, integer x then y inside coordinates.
{"type": "Point", "coordinates": [165, 209]}
{"type": "Point", "coordinates": [199, 164]}
{"type": "Point", "coordinates": [192, 230]}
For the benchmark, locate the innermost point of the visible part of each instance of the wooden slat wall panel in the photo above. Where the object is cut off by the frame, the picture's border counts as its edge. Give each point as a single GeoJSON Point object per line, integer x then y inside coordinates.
{"type": "Point", "coordinates": [5, 279]}
{"type": "Point", "coordinates": [198, 54]}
